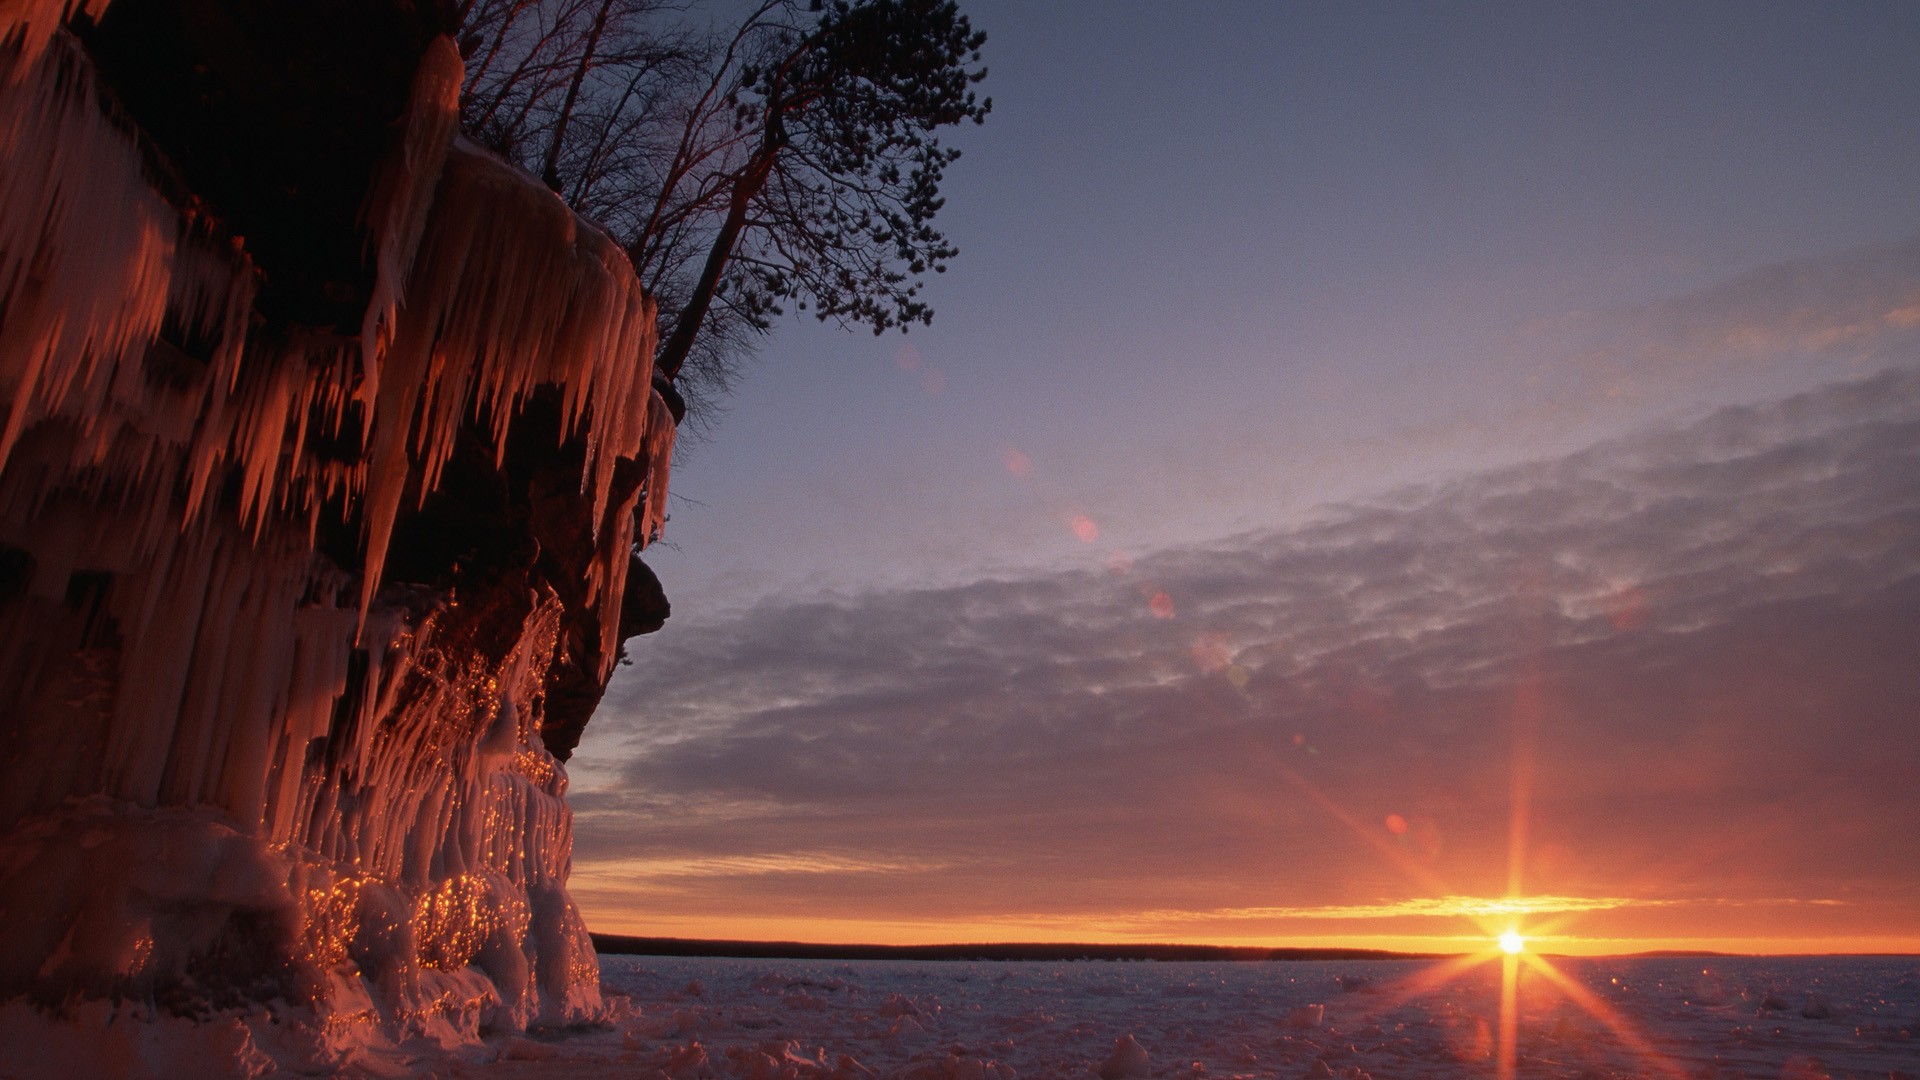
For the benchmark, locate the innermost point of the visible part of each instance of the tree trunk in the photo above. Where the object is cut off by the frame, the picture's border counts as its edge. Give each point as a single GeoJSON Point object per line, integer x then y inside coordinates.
{"type": "Point", "coordinates": [550, 169]}
{"type": "Point", "coordinates": [685, 328]}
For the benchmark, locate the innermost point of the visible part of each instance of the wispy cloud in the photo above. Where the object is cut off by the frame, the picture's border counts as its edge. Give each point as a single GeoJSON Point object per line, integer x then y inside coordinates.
{"type": "Point", "coordinates": [1449, 907]}
{"type": "Point", "coordinates": [645, 870]}
{"type": "Point", "coordinates": [1465, 907]}
{"type": "Point", "coordinates": [1706, 630]}
{"type": "Point", "coordinates": [1852, 310]}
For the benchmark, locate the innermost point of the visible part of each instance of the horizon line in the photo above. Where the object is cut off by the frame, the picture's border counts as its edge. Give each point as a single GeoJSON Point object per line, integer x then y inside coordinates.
{"type": "Point", "coordinates": [728, 948]}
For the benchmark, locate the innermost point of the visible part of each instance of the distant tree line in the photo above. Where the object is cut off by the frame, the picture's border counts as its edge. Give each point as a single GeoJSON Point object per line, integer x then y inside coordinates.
{"type": "Point", "coordinates": [789, 158]}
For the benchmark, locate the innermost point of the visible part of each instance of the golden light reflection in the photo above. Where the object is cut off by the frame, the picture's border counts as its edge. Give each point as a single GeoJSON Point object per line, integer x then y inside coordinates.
{"type": "Point", "coordinates": [1506, 938]}
{"type": "Point", "coordinates": [332, 919]}
{"type": "Point", "coordinates": [455, 920]}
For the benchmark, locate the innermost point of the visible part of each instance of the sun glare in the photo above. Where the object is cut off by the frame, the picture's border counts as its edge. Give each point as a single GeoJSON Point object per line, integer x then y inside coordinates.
{"type": "Point", "coordinates": [1511, 942]}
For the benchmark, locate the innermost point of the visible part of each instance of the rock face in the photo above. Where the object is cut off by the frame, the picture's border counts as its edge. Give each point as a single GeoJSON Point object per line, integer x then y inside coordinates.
{"type": "Point", "coordinates": [327, 446]}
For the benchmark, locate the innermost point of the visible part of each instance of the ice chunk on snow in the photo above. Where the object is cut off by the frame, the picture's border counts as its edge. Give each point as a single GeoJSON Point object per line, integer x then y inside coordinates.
{"type": "Point", "coordinates": [689, 1062]}
{"type": "Point", "coordinates": [905, 1029]}
{"type": "Point", "coordinates": [1127, 1062]}
{"type": "Point", "coordinates": [902, 1005]}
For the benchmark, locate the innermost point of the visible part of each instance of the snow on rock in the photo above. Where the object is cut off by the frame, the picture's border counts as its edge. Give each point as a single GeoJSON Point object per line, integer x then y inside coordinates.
{"type": "Point", "coordinates": [79, 927]}
{"type": "Point", "coordinates": [101, 1040]}
{"type": "Point", "coordinates": [249, 763]}
{"type": "Point", "coordinates": [523, 1049]}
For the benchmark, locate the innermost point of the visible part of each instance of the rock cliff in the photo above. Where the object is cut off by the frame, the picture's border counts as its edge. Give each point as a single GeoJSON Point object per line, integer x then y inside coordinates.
{"type": "Point", "coordinates": [328, 443]}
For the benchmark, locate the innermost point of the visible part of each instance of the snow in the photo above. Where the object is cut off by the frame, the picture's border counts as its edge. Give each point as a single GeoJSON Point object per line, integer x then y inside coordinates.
{"type": "Point", "coordinates": [240, 770]}
{"type": "Point", "coordinates": [1706, 1016]}
{"type": "Point", "coordinates": [266, 815]}
{"type": "Point", "coordinates": [804, 1020]}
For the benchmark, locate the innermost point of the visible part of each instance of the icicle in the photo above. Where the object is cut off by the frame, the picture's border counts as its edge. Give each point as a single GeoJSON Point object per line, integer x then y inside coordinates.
{"type": "Point", "coordinates": [659, 456]}
{"type": "Point", "coordinates": [183, 659]}
{"type": "Point", "coordinates": [509, 291]}
{"type": "Point", "coordinates": [396, 211]}
{"type": "Point", "coordinates": [27, 25]}
{"type": "Point", "coordinates": [86, 247]}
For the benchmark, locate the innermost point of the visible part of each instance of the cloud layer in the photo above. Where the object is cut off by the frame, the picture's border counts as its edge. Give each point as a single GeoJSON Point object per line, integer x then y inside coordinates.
{"type": "Point", "coordinates": [1691, 654]}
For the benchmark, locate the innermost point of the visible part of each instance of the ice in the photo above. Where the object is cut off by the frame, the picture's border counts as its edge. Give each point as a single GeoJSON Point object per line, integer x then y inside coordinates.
{"type": "Point", "coordinates": [243, 772]}
{"type": "Point", "coordinates": [1127, 1062]}
{"type": "Point", "coordinates": [1186, 1020]}
{"type": "Point", "coordinates": [1087, 1020]}
{"type": "Point", "coordinates": [1306, 1016]}
{"type": "Point", "coordinates": [28, 25]}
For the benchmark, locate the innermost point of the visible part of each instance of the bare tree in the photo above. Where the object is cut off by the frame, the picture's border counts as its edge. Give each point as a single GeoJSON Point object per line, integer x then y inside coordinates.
{"type": "Point", "coordinates": [793, 158]}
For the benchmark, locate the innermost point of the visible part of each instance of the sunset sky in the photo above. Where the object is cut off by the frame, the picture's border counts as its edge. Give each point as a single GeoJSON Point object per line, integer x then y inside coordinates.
{"type": "Point", "coordinates": [1376, 475]}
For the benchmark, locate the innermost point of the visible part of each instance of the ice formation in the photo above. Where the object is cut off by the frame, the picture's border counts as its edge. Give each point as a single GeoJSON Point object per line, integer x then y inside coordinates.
{"type": "Point", "coordinates": [249, 763]}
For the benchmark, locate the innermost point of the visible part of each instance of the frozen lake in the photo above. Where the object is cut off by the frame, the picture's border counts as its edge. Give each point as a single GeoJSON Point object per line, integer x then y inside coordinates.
{"type": "Point", "coordinates": [1685, 1017]}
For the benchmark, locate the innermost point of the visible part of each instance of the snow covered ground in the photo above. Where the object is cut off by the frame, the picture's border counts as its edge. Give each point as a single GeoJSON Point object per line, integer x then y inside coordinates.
{"type": "Point", "coordinates": [722, 1019]}
{"type": "Point", "coordinates": [1691, 1017]}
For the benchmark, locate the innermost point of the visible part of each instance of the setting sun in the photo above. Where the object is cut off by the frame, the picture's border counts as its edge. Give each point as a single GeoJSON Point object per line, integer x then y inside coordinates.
{"type": "Point", "coordinates": [1511, 942]}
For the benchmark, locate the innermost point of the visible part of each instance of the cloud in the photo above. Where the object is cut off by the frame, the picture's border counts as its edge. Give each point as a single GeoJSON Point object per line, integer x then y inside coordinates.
{"type": "Point", "coordinates": [1699, 640]}
{"type": "Point", "coordinates": [1440, 907]}
{"type": "Point", "coordinates": [1854, 311]}
{"type": "Point", "coordinates": [1471, 907]}
{"type": "Point", "coordinates": [1573, 378]}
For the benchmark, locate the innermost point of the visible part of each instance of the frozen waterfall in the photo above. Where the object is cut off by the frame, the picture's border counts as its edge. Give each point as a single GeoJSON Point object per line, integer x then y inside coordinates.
{"type": "Point", "coordinates": [257, 753]}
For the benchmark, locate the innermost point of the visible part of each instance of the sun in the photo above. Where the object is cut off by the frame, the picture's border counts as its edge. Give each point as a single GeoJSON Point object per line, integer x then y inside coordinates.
{"type": "Point", "coordinates": [1512, 943]}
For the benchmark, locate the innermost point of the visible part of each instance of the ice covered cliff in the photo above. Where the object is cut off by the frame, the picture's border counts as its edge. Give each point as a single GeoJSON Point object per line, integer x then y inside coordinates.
{"type": "Point", "coordinates": [327, 443]}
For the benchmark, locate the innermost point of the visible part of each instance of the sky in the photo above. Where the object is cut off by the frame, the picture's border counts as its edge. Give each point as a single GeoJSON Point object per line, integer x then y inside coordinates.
{"type": "Point", "coordinates": [1376, 472]}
